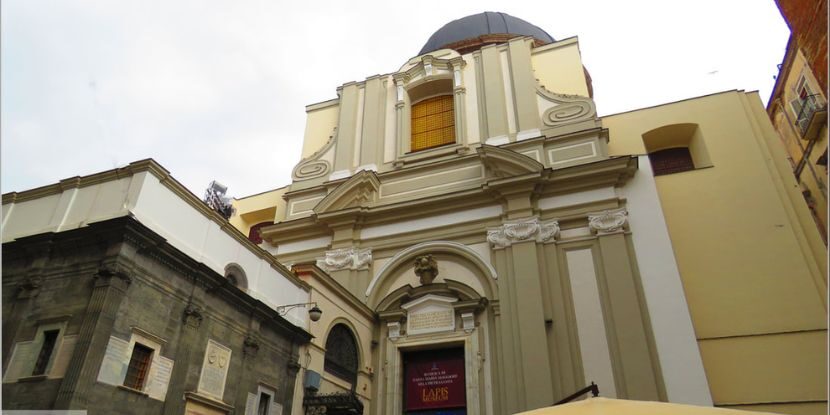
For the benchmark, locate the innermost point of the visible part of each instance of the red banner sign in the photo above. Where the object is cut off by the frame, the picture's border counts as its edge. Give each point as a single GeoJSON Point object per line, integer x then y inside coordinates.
{"type": "Point", "coordinates": [435, 379]}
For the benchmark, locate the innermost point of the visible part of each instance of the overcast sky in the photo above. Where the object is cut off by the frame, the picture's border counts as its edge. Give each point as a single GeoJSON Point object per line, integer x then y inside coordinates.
{"type": "Point", "coordinates": [217, 89]}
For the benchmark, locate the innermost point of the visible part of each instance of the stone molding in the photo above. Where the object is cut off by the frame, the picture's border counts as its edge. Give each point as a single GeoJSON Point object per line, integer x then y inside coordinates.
{"type": "Point", "coordinates": [608, 221]}
{"type": "Point", "coordinates": [346, 258]}
{"type": "Point", "coordinates": [568, 109]}
{"type": "Point", "coordinates": [313, 166]}
{"type": "Point", "coordinates": [523, 231]}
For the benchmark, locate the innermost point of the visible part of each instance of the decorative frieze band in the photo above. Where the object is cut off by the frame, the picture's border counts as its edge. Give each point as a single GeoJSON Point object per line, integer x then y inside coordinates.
{"type": "Point", "coordinates": [608, 221]}
{"type": "Point", "coordinates": [521, 231]}
{"type": "Point", "coordinates": [346, 258]}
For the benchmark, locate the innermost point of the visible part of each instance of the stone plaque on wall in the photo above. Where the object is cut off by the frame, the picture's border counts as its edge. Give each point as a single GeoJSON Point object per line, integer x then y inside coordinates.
{"type": "Point", "coordinates": [214, 370]}
{"type": "Point", "coordinates": [430, 314]}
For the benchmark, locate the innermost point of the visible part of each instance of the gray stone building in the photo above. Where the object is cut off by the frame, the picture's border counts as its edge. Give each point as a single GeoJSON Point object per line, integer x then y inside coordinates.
{"type": "Point", "coordinates": [110, 316]}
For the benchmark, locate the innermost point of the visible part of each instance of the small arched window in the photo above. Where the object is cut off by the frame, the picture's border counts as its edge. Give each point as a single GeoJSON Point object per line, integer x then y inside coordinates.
{"type": "Point", "coordinates": [341, 354]}
{"type": "Point", "coordinates": [433, 123]}
{"type": "Point", "coordinates": [236, 276]}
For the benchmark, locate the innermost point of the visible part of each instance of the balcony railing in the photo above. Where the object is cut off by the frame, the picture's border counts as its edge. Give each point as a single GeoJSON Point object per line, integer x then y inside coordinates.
{"type": "Point", "coordinates": [812, 116]}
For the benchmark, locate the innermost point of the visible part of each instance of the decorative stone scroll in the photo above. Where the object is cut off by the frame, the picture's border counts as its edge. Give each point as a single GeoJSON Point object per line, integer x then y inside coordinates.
{"type": "Point", "coordinates": [521, 231]}
{"type": "Point", "coordinates": [608, 221]}
{"type": "Point", "coordinates": [346, 258]}
{"type": "Point", "coordinates": [568, 109]}
{"type": "Point", "coordinates": [313, 166]}
{"type": "Point", "coordinates": [394, 328]}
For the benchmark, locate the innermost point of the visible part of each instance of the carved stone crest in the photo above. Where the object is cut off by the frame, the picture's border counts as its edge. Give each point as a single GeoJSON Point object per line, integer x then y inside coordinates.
{"type": "Point", "coordinates": [520, 231]}
{"type": "Point", "coordinates": [192, 316]}
{"type": "Point", "coordinates": [426, 268]}
{"type": "Point", "coordinates": [345, 258]}
{"type": "Point", "coordinates": [608, 221]}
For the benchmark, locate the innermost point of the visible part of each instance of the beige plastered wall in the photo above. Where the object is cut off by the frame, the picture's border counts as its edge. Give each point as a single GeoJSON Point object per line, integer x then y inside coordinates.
{"type": "Point", "coordinates": [321, 119]}
{"type": "Point", "coordinates": [261, 207]}
{"type": "Point", "coordinates": [750, 261]}
{"type": "Point", "coordinates": [558, 67]}
{"type": "Point", "coordinates": [313, 356]}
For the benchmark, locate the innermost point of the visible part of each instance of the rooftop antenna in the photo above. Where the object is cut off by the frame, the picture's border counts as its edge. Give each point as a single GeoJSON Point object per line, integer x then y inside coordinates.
{"type": "Point", "coordinates": [215, 199]}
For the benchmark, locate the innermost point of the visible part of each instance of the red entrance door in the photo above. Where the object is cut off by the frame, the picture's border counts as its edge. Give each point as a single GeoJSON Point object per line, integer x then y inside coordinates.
{"type": "Point", "coordinates": [434, 382]}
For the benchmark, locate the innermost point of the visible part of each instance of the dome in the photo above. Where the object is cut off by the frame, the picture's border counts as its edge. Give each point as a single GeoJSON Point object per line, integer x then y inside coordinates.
{"type": "Point", "coordinates": [472, 32]}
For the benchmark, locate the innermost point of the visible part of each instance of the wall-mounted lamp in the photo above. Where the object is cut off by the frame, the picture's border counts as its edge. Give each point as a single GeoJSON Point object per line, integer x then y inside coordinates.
{"type": "Point", "coordinates": [314, 313]}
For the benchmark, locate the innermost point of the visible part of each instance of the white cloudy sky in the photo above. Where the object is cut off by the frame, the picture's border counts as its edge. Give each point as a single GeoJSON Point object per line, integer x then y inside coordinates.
{"type": "Point", "coordinates": [216, 89]}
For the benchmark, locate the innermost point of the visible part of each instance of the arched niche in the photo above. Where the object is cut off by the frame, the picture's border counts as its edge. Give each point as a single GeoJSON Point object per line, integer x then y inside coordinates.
{"type": "Point", "coordinates": [236, 276]}
{"type": "Point", "coordinates": [456, 263]}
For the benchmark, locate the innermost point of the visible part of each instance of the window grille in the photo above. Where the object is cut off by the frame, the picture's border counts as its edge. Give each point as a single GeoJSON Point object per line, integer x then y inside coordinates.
{"type": "Point", "coordinates": [433, 123]}
{"type": "Point", "coordinates": [139, 367]}
{"type": "Point", "coordinates": [341, 353]}
{"type": "Point", "coordinates": [671, 160]}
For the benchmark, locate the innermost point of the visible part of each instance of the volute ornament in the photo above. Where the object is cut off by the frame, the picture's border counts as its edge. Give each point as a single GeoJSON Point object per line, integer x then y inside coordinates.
{"type": "Point", "coordinates": [426, 268]}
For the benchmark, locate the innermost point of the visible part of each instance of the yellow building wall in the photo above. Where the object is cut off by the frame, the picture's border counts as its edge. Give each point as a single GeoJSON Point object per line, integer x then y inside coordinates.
{"type": "Point", "coordinates": [321, 119]}
{"type": "Point", "coordinates": [750, 267]}
{"type": "Point", "coordinates": [558, 67]}
{"type": "Point", "coordinates": [261, 207]}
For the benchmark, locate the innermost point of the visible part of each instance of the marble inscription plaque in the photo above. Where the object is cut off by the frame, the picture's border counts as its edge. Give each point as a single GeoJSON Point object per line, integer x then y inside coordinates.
{"type": "Point", "coordinates": [214, 370]}
{"type": "Point", "coordinates": [431, 320]}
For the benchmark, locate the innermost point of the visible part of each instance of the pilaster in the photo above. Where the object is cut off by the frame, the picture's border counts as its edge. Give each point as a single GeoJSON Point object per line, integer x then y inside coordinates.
{"type": "Point", "coordinates": [633, 355]}
{"type": "Point", "coordinates": [522, 286]}
{"type": "Point", "coordinates": [110, 285]}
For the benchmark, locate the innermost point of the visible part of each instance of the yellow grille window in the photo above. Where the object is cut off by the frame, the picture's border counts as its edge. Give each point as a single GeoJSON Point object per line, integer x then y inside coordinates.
{"type": "Point", "coordinates": [433, 123]}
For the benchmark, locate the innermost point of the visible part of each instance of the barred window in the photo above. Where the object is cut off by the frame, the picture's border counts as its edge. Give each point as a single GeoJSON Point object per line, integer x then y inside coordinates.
{"type": "Point", "coordinates": [139, 367]}
{"type": "Point", "coordinates": [341, 353]}
{"type": "Point", "coordinates": [671, 160]}
{"type": "Point", "coordinates": [433, 123]}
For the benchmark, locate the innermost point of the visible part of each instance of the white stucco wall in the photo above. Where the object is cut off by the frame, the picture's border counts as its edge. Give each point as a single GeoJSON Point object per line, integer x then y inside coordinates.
{"type": "Point", "coordinates": [156, 206]}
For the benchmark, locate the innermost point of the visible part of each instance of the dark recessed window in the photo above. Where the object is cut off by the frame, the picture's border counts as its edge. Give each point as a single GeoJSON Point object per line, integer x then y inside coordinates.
{"type": "Point", "coordinates": [671, 160]}
{"type": "Point", "coordinates": [341, 353]}
{"type": "Point", "coordinates": [49, 339]}
{"type": "Point", "coordinates": [139, 367]}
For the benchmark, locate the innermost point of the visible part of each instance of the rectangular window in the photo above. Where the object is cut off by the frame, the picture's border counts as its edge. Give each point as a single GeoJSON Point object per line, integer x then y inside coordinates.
{"type": "Point", "coordinates": [264, 402]}
{"type": "Point", "coordinates": [671, 160]}
{"type": "Point", "coordinates": [433, 123]}
{"type": "Point", "coordinates": [50, 337]}
{"type": "Point", "coordinates": [139, 367]}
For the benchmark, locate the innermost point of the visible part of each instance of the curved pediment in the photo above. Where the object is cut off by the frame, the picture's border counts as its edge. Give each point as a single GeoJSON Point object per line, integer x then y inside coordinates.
{"type": "Point", "coordinates": [500, 162]}
{"type": "Point", "coordinates": [360, 190]}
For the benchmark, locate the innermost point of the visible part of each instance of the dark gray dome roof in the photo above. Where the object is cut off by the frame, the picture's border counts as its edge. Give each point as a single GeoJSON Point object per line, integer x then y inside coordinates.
{"type": "Point", "coordinates": [486, 23]}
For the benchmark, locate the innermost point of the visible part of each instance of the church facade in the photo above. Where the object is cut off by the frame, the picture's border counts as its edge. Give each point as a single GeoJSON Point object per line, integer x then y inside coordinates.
{"type": "Point", "coordinates": [478, 238]}
{"type": "Point", "coordinates": [501, 246]}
